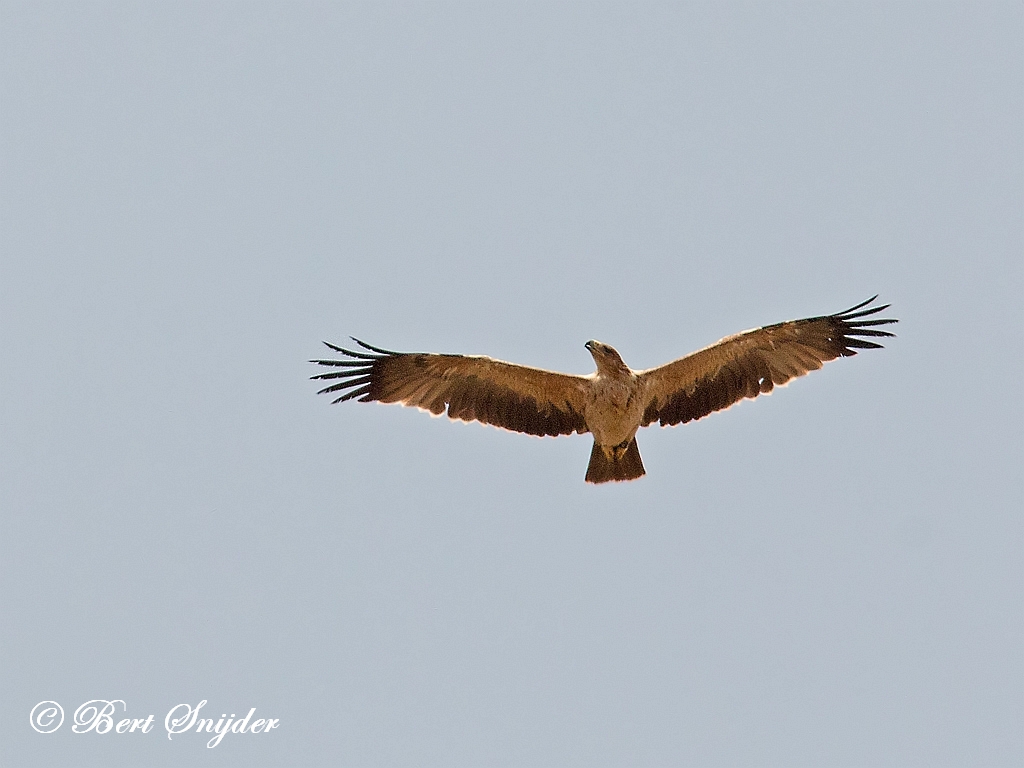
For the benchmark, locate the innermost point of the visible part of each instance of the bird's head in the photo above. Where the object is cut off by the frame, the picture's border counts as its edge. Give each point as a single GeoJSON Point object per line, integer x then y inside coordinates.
{"type": "Point", "coordinates": [606, 358]}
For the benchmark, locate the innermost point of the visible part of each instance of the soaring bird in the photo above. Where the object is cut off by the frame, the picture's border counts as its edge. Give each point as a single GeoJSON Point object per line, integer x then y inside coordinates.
{"type": "Point", "coordinates": [613, 402]}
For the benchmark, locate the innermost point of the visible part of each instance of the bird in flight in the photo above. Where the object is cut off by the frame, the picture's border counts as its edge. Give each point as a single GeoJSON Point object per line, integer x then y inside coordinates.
{"type": "Point", "coordinates": [613, 402]}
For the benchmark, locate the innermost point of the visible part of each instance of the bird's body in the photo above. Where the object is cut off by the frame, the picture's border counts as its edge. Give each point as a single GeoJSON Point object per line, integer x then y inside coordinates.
{"type": "Point", "coordinates": [613, 410]}
{"type": "Point", "coordinates": [615, 401]}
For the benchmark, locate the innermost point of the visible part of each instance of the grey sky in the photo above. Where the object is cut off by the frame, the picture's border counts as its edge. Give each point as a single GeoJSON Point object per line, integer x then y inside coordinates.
{"type": "Point", "coordinates": [195, 194]}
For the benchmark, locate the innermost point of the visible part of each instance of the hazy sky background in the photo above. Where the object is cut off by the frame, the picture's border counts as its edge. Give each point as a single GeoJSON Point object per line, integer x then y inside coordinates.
{"type": "Point", "coordinates": [195, 194]}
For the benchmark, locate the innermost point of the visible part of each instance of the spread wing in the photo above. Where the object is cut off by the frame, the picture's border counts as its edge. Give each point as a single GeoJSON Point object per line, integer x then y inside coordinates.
{"type": "Point", "coordinates": [472, 387]}
{"type": "Point", "coordinates": [752, 362]}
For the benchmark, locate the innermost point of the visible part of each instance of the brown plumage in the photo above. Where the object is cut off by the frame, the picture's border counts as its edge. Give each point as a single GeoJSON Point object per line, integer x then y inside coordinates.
{"type": "Point", "coordinates": [615, 401]}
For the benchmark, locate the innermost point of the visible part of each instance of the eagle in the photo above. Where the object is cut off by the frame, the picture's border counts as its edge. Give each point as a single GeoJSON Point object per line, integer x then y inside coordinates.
{"type": "Point", "coordinates": [613, 402]}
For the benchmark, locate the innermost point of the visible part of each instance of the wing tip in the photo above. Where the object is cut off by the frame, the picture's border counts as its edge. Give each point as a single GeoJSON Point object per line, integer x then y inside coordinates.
{"type": "Point", "coordinates": [357, 373]}
{"type": "Point", "coordinates": [853, 325]}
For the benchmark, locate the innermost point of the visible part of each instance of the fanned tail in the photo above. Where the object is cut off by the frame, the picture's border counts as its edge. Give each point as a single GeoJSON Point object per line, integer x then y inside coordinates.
{"type": "Point", "coordinates": [621, 465]}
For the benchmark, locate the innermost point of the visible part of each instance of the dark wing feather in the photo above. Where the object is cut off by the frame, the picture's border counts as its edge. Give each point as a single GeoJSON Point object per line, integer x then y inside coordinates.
{"type": "Point", "coordinates": [752, 362]}
{"type": "Point", "coordinates": [471, 387]}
